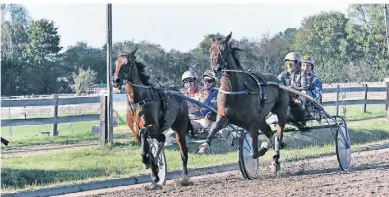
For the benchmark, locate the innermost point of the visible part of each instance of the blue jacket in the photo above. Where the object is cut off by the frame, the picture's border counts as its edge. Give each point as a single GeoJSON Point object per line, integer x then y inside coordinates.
{"type": "Point", "coordinates": [207, 97]}
{"type": "Point", "coordinates": [315, 86]}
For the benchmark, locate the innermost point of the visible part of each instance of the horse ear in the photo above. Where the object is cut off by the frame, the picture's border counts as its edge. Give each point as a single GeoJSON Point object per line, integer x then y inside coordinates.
{"type": "Point", "coordinates": [212, 39]}
{"type": "Point", "coordinates": [228, 38]}
{"type": "Point", "coordinates": [134, 51]}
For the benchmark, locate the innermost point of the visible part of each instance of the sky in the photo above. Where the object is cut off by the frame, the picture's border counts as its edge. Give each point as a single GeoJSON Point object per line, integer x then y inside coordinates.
{"type": "Point", "coordinates": [173, 26]}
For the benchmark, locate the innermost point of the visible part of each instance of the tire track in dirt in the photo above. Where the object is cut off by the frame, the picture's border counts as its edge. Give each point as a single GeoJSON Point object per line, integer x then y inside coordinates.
{"type": "Point", "coordinates": [368, 176]}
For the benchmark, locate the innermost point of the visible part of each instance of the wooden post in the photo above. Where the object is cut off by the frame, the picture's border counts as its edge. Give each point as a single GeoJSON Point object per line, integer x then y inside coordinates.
{"type": "Point", "coordinates": [103, 120]}
{"type": "Point", "coordinates": [9, 117]}
{"type": "Point", "coordinates": [54, 129]}
{"type": "Point", "coordinates": [387, 97]}
{"type": "Point", "coordinates": [337, 99]}
{"type": "Point", "coordinates": [365, 97]}
{"type": "Point", "coordinates": [106, 136]}
{"type": "Point", "coordinates": [109, 73]}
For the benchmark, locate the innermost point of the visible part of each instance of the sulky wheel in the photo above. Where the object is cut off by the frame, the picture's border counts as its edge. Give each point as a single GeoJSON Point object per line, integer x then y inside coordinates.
{"type": "Point", "coordinates": [248, 166]}
{"type": "Point", "coordinates": [342, 143]}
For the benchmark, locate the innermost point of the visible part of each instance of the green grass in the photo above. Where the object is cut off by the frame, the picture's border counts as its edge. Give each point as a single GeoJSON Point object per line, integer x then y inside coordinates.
{"type": "Point", "coordinates": [123, 160]}
{"type": "Point", "coordinates": [80, 134]}
{"type": "Point", "coordinates": [354, 112]}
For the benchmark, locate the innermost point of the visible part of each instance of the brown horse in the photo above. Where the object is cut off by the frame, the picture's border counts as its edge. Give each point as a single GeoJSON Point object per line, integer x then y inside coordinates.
{"type": "Point", "coordinates": [245, 99]}
{"type": "Point", "coordinates": [151, 111]}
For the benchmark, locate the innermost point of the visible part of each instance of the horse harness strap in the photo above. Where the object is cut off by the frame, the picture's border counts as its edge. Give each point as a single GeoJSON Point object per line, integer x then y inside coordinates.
{"type": "Point", "coordinates": [262, 89]}
{"type": "Point", "coordinates": [261, 83]}
{"type": "Point", "coordinates": [141, 103]}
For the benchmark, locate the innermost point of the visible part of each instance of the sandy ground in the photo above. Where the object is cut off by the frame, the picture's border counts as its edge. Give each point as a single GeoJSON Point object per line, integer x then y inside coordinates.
{"type": "Point", "coordinates": [368, 176]}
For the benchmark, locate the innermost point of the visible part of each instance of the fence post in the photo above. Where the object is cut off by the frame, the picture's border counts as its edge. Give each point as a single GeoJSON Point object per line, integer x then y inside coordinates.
{"type": "Point", "coordinates": [103, 120]}
{"type": "Point", "coordinates": [9, 117]}
{"type": "Point", "coordinates": [365, 97]}
{"type": "Point", "coordinates": [337, 99]}
{"type": "Point", "coordinates": [105, 136]}
{"type": "Point", "coordinates": [54, 129]}
{"type": "Point", "coordinates": [387, 97]}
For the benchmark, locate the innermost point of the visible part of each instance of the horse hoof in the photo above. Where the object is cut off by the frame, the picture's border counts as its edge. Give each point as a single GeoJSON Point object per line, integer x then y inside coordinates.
{"type": "Point", "coordinates": [185, 181]}
{"type": "Point", "coordinates": [283, 145]}
{"type": "Point", "coordinates": [146, 166]}
{"type": "Point", "coordinates": [262, 152]}
{"type": "Point", "coordinates": [204, 148]}
{"type": "Point", "coordinates": [153, 186]}
{"type": "Point", "coordinates": [275, 167]}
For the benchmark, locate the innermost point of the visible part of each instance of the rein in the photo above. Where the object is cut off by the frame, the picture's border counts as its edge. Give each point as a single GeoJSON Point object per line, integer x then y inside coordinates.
{"type": "Point", "coordinates": [133, 107]}
{"type": "Point", "coordinates": [139, 104]}
{"type": "Point", "coordinates": [260, 84]}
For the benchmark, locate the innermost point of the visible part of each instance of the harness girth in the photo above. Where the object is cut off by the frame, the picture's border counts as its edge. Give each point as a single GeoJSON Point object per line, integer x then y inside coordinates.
{"type": "Point", "coordinates": [165, 108]}
{"type": "Point", "coordinates": [262, 89]}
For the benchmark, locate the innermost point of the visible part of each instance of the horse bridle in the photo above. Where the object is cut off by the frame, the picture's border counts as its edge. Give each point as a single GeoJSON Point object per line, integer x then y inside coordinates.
{"type": "Point", "coordinates": [221, 58]}
{"type": "Point", "coordinates": [139, 104]}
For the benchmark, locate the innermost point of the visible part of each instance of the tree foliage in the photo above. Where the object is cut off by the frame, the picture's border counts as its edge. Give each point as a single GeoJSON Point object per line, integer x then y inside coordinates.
{"type": "Point", "coordinates": [345, 47]}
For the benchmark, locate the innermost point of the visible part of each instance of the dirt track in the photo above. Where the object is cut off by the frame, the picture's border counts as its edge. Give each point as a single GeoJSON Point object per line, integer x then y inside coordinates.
{"type": "Point", "coordinates": [316, 177]}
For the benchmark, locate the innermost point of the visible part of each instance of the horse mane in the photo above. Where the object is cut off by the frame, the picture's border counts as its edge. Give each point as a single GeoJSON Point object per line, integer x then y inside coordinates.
{"type": "Point", "coordinates": [234, 51]}
{"type": "Point", "coordinates": [144, 78]}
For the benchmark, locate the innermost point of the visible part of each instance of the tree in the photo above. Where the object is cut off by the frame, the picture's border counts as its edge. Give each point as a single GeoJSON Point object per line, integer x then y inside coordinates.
{"type": "Point", "coordinates": [42, 52]}
{"type": "Point", "coordinates": [86, 56]}
{"type": "Point", "coordinates": [83, 80]}
{"type": "Point", "coordinates": [324, 38]}
{"type": "Point", "coordinates": [366, 34]}
{"type": "Point", "coordinates": [14, 40]}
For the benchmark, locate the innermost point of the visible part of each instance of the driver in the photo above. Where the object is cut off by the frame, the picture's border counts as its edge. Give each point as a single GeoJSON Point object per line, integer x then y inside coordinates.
{"type": "Point", "coordinates": [310, 84]}
{"type": "Point", "coordinates": [292, 63]}
{"type": "Point", "coordinates": [205, 94]}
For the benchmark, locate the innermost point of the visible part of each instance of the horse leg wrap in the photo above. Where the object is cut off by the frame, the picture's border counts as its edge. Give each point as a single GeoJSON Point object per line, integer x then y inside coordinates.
{"type": "Point", "coordinates": [145, 147]}
{"type": "Point", "coordinates": [159, 150]}
{"type": "Point", "coordinates": [276, 158]}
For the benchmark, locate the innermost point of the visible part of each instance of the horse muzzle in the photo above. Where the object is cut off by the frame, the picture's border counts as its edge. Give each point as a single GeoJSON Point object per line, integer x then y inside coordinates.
{"type": "Point", "coordinates": [117, 83]}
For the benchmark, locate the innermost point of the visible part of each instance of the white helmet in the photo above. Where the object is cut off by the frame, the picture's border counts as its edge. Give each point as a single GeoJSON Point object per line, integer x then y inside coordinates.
{"type": "Point", "coordinates": [293, 56]}
{"type": "Point", "coordinates": [189, 74]}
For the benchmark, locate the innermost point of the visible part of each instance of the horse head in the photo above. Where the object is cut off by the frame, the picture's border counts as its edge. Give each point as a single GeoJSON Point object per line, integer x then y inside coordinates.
{"type": "Point", "coordinates": [220, 51]}
{"type": "Point", "coordinates": [125, 66]}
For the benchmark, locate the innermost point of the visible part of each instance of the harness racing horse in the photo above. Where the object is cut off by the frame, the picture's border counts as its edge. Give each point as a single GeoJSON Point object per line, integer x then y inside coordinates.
{"type": "Point", "coordinates": [245, 99]}
{"type": "Point", "coordinates": [152, 111]}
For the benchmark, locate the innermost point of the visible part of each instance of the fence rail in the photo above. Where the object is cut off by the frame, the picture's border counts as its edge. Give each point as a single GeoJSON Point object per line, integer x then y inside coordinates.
{"type": "Point", "coordinates": [56, 101]}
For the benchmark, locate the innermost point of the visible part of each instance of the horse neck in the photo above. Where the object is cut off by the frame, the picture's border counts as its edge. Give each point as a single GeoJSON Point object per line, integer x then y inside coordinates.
{"type": "Point", "coordinates": [233, 81]}
{"type": "Point", "coordinates": [130, 93]}
{"type": "Point", "coordinates": [139, 93]}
